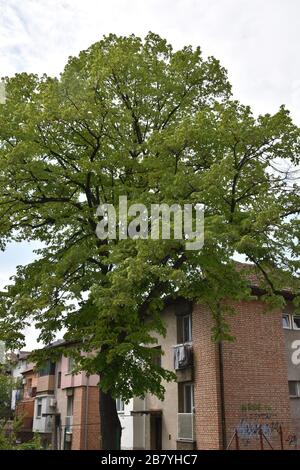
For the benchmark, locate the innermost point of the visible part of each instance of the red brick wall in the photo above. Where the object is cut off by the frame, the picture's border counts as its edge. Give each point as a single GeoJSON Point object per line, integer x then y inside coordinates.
{"type": "Point", "coordinates": [78, 417]}
{"type": "Point", "coordinates": [25, 409]}
{"type": "Point", "coordinates": [255, 371]}
{"type": "Point", "coordinates": [91, 440]}
{"type": "Point", "coordinates": [93, 419]}
{"type": "Point", "coordinates": [206, 382]}
{"type": "Point", "coordinates": [255, 378]}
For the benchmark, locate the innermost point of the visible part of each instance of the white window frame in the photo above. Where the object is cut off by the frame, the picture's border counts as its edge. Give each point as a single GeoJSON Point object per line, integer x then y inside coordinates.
{"type": "Point", "coordinates": [189, 317]}
{"type": "Point", "coordinates": [120, 405]}
{"type": "Point", "coordinates": [295, 327]}
{"type": "Point", "coordinates": [289, 327]}
{"type": "Point", "coordinates": [70, 365]}
{"type": "Point", "coordinates": [39, 403]}
{"type": "Point", "coordinates": [189, 386]}
{"type": "Point", "coordinates": [70, 399]}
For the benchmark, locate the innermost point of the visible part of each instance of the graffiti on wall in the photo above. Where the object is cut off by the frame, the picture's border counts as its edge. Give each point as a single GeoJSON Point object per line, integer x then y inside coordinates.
{"type": "Point", "coordinates": [292, 440]}
{"type": "Point", "coordinates": [249, 429]}
{"type": "Point", "coordinates": [256, 418]}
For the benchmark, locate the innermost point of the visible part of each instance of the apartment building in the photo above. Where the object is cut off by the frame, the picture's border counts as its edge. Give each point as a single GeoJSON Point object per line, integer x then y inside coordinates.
{"type": "Point", "coordinates": [243, 394]}
{"type": "Point", "coordinates": [18, 363]}
{"type": "Point", "coordinates": [291, 328]}
{"type": "Point", "coordinates": [25, 405]}
{"type": "Point", "coordinates": [62, 407]}
{"type": "Point", "coordinates": [77, 408]}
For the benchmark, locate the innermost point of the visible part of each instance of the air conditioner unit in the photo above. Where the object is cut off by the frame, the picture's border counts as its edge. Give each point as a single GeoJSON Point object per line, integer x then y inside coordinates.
{"type": "Point", "coordinates": [52, 403]}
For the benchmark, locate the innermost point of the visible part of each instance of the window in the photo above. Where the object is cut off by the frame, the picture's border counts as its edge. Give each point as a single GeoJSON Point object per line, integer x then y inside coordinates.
{"type": "Point", "coordinates": [39, 408]}
{"type": "Point", "coordinates": [187, 328]}
{"type": "Point", "coordinates": [156, 359]}
{"type": "Point", "coordinates": [70, 405]}
{"type": "Point", "coordinates": [294, 388]}
{"type": "Point", "coordinates": [290, 322]}
{"type": "Point", "coordinates": [296, 322]}
{"type": "Point", "coordinates": [188, 398]}
{"type": "Point", "coordinates": [185, 397]}
{"type": "Point", "coordinates": [71, 364]}
{"type": "Point", "coordinates": [59, 380]}
{"type": "Point", "coordinates": [286, 322]}
{"type": "Point", "coordinates": [47, 369]}
{"type": "Point", "coordinates": [184, 329]}
{"type": "Point", "coordinates": [120, 405]}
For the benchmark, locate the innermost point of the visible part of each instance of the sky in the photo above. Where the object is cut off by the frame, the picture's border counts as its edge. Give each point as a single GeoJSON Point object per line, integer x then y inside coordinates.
{"type": "Point", "coordinates": [257, 41]}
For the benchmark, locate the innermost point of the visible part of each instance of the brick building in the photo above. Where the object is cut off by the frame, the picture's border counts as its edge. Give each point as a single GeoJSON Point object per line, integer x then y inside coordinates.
{"type": "Point", "coordinates": [59, 405]}
{"type": "Point", "coordinates": [244, 393]}
{"type": "Point", "coordinates": [66, 410]}
{"type": "Point", "coordinates": [77, 408]}
{"type": "Point", "coordinates": [24, 408]}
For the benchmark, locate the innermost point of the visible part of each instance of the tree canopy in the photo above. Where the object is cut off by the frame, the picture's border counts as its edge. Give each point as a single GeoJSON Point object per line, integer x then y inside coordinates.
{"type": "Point", "coordinates": [6, 386]}
{"type": "Point", "coordinates": [134, 117]}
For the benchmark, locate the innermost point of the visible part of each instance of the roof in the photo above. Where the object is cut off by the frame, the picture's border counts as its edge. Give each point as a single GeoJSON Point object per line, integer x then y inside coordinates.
{"type": "Point", "coordinates": [18, 356]}
{"type": "Point", "coordinates": [61, 342]}
{"type": "Point", "coordinates": [29, 368]}
{"type": "Point", "coordinates": [256, 280]}
{"type": "Point", "coordinates": [251, 271]}
{"type": "Point", "coordinates": [58, 342]}
{"type": "Point", "coordinates": [22, 355]}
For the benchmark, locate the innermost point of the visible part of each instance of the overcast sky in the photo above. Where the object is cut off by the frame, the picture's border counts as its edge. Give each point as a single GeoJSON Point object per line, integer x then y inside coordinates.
{"type": "Point", "coordinates": [257, 41]}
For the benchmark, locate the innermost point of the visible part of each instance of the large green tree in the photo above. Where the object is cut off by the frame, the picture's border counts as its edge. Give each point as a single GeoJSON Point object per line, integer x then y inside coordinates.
{"type": "Point", "coordinates": [133, 117]}
{"type": "Point", "coordinates": [6, 386]}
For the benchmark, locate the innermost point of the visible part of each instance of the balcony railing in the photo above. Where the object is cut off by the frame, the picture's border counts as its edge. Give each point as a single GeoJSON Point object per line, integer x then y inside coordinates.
{"type": "Point", "coordinates": [185, 426]}
{"type": "Point", "coordinates": [45, 383]}
{"type": "Point", "coordinates": [31, 391]}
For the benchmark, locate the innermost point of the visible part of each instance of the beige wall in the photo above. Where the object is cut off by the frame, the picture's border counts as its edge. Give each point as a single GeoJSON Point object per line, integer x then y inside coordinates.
{"type": "Point", "coordinates": [62, 409]}
{"type": "Point", "coordinates": [170, 404]}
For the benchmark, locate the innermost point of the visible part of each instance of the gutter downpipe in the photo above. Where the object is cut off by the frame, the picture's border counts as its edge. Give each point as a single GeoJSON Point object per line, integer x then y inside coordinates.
{"type": "Point", "coordinates": [86, 412]}
{"type": "Point", "coordinates": [222, 396]}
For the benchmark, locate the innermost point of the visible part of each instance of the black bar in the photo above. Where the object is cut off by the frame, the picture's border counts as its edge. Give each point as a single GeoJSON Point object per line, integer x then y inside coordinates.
{"type": "Point", "coordinates": [136, 459]}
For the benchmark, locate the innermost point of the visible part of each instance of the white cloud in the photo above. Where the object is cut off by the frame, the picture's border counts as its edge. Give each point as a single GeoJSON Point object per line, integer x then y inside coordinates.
{"type": "Point", "coordinates": [256, 41]}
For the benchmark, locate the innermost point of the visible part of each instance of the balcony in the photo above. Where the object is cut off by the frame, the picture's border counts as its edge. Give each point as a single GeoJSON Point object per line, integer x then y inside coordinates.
{"type": "Point", "coordinates": [29, 393]}
{"type": "Point", "coordinates": [32, 392]}
{"type": "Point", "coordinates": [183, 362]}
{"type": "Point", "coordinates": [45, 383]}
{"type": "Point", "coordinates": [46, 377]}
{"type": "Point", "coordinates": [24, 410]}
{"type": "Point", "coordinates": [183, 356]}
{"type": "Point", "coordinates": [185, 426]}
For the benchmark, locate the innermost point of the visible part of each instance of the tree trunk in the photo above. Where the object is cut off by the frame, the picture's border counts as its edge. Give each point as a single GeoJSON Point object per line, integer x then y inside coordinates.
{"type": "Point", "coordinates": [110, 424]}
